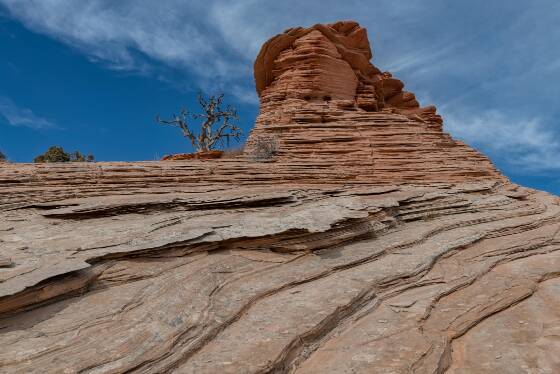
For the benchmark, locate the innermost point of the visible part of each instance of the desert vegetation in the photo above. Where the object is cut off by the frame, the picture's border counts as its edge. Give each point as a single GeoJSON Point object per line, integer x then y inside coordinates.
{"type": "Point", "coordinates": [264, 147]}
{"type": "Point", "coordinates": [217, 127]}
{"type": "Point", "coordinates": [2, 157]}
{"type": "Point", "coordinates": [57, 154]}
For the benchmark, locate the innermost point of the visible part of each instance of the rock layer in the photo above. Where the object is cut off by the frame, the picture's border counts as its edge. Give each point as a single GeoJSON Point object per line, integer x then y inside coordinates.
{"type": "Point", "coordinates": [277, 278]}
{"type": "Point", "coordinates": [322, 99]}
{"type": "Point", "coordinates": [335, 256]}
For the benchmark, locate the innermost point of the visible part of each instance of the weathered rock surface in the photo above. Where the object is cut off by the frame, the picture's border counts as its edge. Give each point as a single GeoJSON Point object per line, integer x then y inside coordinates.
{"type": "Point", "coordinates": [190, 156]}
{"type": "Point", "coordinates": [408, 253]}
{"type": "Point", "coordinates": [325, 102]}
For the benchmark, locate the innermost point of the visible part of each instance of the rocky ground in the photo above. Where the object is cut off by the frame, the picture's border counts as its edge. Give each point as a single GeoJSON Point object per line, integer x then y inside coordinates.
{"type": "Point", "coordinates": [371, 242]}
{"type": "Point", "coordinates": [307, 278]}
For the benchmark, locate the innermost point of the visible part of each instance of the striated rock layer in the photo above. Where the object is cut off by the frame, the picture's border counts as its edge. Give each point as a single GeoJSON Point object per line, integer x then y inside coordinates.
{"type": "Point", "coordinates": [385, 253]}
{"type": "Point", "coordinates": [323, 100]}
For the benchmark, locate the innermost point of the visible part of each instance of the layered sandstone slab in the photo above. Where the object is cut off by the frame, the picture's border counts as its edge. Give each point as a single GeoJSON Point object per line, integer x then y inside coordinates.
{"type": "Point", "coordinates": [225, 276]}
{"type": "Point", "coordinates": [371, 242]}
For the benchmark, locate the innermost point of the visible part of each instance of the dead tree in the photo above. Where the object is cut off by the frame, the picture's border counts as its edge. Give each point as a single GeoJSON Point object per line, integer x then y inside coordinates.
{"type": "Point", "coordinates": [216, 123]}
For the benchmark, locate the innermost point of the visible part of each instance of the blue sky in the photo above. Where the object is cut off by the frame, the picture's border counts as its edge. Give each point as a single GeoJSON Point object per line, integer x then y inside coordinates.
{"type": "Point", "coordinates": [93, 75]}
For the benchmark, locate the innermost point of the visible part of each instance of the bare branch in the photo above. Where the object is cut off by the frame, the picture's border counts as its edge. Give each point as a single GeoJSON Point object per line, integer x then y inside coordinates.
{"type": "Point", "coordinates": [213, 115]}
{"type": "Point", "coordinates": [182, 124]}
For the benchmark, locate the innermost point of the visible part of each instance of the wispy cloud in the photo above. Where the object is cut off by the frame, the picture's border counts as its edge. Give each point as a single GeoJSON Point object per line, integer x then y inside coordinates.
{"type": "Point", "coordinates": [527, 143]}
{"type": "Point", "coordinates": [20, 116]}
{"type": "Point", "coordinates": [128, 35]}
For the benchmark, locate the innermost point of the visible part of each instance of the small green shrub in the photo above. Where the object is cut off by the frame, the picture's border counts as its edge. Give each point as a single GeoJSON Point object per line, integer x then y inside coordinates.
{"type": "Point", "coordinates": [57, 154]}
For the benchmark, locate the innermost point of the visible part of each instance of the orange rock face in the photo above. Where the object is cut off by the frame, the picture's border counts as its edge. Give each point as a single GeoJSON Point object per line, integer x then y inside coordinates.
{"type": "Point", "coordinates": [324, 100]}
{"type": "Point", "coordinates": [190, 156]}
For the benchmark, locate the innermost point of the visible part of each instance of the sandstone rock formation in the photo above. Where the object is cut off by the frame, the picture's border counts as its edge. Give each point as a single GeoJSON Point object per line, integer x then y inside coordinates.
{"type": "Point", "coordinates": [371, 243]}
{"type": "Point", "coordinates": [326, 103]}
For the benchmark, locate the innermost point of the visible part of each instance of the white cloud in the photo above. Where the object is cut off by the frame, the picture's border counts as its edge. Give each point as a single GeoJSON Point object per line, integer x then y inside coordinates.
{"type": "Point", "coordinates": [427, 58]}
{"type": "Point", "coordinates": [527, 143]}
{"type": "Point", "coordinates": [120, 33]}
{"type": "Point", "coordinates": [19, 116]}
{"type": "Point", "coordinates": [244, 94]}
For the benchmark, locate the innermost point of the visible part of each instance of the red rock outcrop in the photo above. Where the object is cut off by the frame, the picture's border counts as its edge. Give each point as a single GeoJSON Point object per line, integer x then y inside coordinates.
{"type": "Point", "coordinates": [324, 101]}
{"type": "Point", "coordinates": [193, 156]}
